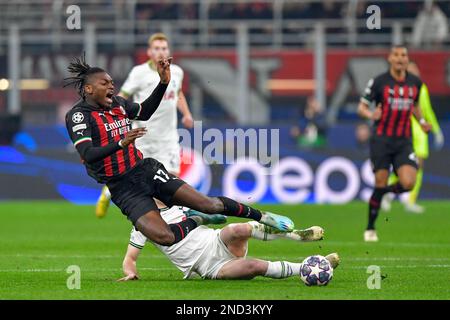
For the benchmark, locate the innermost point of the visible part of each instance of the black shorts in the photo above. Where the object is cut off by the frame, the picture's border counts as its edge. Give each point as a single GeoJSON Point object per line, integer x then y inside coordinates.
{"type": "Point", "coordinates": [385, 152]}
{"type": "Point", "coordinates": [134, 191]}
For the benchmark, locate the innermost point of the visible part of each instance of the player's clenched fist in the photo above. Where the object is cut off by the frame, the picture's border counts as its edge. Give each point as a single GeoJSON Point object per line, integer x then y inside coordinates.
{"type": "Point", "coordinates": [132, 135]}
{"type": "Point", "coordinates": [163, 67]}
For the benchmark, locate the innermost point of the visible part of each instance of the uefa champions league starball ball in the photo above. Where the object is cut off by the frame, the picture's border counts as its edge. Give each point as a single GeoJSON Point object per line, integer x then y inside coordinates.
{"type": "Point", "coordinates": [316, 271]}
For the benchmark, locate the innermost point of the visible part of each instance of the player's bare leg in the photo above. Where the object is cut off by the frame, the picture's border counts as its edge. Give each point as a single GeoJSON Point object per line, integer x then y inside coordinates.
{"type": "Point", "coordinates": [189, 197]}
{"type": "Point", "coordinates": [154, 228]}
{"type": "Point", "coordinates": [410, 174]}
{"type": "Point", "coordinates": [244, 269]}
{"type": "Point", "coordinates": [236, 235]}
{"type": "Point", "coordinates": [411, 204]}
{"type": "Point", "coordinates": [407, 177]}
{"type": "Point", "coordinates": [406, 180]}
{"type": "Point", "coordinates": [381, 180]}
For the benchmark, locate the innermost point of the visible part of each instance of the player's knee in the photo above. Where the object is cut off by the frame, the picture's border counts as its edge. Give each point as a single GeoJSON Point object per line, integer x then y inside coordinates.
{"type": "Point", "coordinates": [408, 184]}
{"type": "Point", "coordinates": [380, 183]}
{"type": "Point", "coordinates": [162, 237]}
{"type": "Point", "coordinates": [166, 238]}
{"type": "Point", "coordinates": [239, 230]}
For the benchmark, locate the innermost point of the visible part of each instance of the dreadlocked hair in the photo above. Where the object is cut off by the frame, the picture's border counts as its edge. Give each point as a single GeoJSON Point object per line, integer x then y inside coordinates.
{"type": "Point", "coordinates": [81, 71]}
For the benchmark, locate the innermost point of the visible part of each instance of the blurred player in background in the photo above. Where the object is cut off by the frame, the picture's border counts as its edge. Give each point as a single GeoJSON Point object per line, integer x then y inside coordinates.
{"type": "Point", "coordinates": [420, 145]}
{"type": "Point", "coordinates": [162, 140]}
{"type": "Point", "coordinates": [221, 253]}
{"type": "Point", "coordinates": [395, 94]}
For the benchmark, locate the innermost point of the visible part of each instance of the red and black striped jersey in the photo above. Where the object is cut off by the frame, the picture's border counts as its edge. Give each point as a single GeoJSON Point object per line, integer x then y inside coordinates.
{"type": "Point", "coordinates": [396, 99]}
{"type": "Point", "coordinates": [97, 127]}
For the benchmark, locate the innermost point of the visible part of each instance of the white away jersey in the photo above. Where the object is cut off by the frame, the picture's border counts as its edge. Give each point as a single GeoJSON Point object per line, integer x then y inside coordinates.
{"type": "Point", "coordinates": [140, 83]}
{"type": "Point", "coordinates": [185, 253]}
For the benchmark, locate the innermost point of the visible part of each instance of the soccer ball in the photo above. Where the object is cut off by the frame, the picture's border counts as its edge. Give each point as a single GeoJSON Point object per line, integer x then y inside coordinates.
{"type": "Point", "coordinates": [316, 271]}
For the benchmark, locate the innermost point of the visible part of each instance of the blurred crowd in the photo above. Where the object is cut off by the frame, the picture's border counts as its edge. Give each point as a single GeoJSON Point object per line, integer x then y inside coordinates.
{"type": "Point", "coordinates": [326, 9]}
{"type": "Point", "coordinates": [428, 19]}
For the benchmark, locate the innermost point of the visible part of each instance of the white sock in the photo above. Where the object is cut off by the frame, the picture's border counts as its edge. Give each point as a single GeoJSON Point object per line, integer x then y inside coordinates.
{"type": "Point", "coordinates": [282, 269]}
{"type": "Point", "coordinates": [293, 236]}
{"type": "Point", "coordinates": [263, 232]}
{"type": "Point", "coordinates": [174, 213]}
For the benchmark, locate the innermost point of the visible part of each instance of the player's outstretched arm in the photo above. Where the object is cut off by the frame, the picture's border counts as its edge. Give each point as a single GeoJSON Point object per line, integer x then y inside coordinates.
{"type": "Point", "coordinates": [129, 264]}
{"type": "Point", "coordinates": [150, 104]}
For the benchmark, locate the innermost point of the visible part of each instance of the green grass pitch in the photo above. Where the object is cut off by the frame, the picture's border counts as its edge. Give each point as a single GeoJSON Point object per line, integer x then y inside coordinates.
{"type": "Point", "coordinates": [39, 240]}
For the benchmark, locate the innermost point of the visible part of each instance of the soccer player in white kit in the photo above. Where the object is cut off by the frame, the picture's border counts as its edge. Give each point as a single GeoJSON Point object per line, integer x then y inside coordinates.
{"type": "Point", "coordinates": [161, 141]}
{"type": "Point", "coordinates": [221, 253]}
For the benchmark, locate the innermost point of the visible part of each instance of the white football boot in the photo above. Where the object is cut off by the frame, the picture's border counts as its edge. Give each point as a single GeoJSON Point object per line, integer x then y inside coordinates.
{"type": "Point", "coordinates": [314, 233]}
{"type": "Point", "coordinates": [370, 236]}
{"type": "Point", "coordinates": [414, 208]}
{"type": "Point", "coordinates": [386, 202]}
{"type": "Point", "coordinates": [334, 259]}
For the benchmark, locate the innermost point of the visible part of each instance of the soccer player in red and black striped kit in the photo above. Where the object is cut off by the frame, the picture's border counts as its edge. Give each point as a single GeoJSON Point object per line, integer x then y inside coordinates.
{"type": "Point", "coordinates": [395, 94]}
{"type": "Point", "coordinates": [99, 125]}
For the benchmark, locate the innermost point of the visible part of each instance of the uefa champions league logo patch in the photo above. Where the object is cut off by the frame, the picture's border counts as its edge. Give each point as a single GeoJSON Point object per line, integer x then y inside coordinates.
{"type": "Point", "coordinates": [413, 157]}
{"type": "Point", "coordinates": [77, 117]}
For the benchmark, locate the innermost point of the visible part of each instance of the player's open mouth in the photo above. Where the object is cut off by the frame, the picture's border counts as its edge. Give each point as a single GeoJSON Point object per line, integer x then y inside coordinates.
{"type": "Point", "coordinates": [109, 96]}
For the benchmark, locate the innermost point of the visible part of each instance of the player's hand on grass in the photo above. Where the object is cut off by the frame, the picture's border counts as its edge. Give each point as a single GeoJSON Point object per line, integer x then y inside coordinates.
{"type": "Point", "coordinates": [132, 135]}
{"type": "Point", "coordinates": [187, 121]}
{"type": "Point", "coordinates": [129, 277]}
{"type": "Point", "coordinates": [163, 67]}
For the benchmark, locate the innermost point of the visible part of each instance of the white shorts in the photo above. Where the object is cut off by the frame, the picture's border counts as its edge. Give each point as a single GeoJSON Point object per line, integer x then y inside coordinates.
{"type": "Point", "coordinates": [166, 153]}
{"type": "Point", "coordinates": [214, 256]}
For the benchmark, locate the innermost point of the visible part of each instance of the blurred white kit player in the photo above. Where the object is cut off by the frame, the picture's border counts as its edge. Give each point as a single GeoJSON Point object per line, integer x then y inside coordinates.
{"type": "Point", "coordinates": [220, 253]}
{"type": "Point", "coordinates": [161, 141]}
